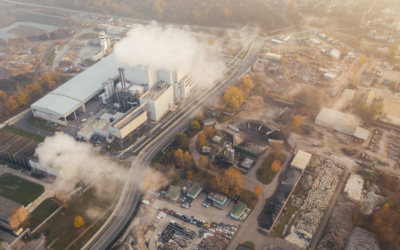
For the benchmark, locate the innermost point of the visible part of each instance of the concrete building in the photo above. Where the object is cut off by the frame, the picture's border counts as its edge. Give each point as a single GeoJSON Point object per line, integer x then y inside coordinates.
{"type": "Point", "coordinates": [273, 56]}
{"type": "Point", "coordinates": [159, 99]}
{"type": "Point", "coordinates": [173, 192]}
{"type": "Point", "coordinates": [56, 172]}
{"type": "Point", "coordinates": [114, 30]}
{"type": "Point", "coordinates": [367, 80]}
{"type": "Point", "coordinates": [208, 122]}
{"type": "Point", "coordinates": [338, 121]}
{"type": "Point", "coordinates": [218, 198]}
{"type": "Point", "coordinates": [335, 54]}
{"type": "Point", "coordinates": [194, 191]}
{"type": "Point", "coordinates": [10, 219]}
{"type": "Point", "coordinates": [301, 160]}
{"type": "Point", "coordinates": [238, 210]}
{"type": "Point", "coordinates": [129, 122]}
{"type": "Point", "coordinates": [330, 76]}
{"type": "Point", "coordinates": [258, 66]}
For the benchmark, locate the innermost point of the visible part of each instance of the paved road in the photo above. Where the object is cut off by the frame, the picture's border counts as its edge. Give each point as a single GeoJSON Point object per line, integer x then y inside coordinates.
{"type": "Point", "coordinates": [23, 123]}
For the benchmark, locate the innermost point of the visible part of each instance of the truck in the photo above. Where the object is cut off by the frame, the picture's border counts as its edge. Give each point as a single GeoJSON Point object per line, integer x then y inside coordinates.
{"type": "Point", "coordinates": [146, 202]}
{"type": "Point", "coordinates": [82, 64]}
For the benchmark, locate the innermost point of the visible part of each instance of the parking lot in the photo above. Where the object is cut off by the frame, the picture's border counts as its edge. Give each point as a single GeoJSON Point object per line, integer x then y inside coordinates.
{"type": "Point", "coordinates": [210, 214]}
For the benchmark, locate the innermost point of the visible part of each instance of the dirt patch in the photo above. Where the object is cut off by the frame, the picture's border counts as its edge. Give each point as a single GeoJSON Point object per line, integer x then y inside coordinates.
{"type": "Point", "coordinates": [38, 48]}
{"type": "Point", "coordinates": [349, 152]}
{"type": "Point", "coordinates": [24, 30]}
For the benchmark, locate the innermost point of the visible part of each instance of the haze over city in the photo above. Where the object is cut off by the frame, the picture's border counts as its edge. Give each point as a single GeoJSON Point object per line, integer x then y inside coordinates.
{"type": "Point", "coordinates": [203, 125]}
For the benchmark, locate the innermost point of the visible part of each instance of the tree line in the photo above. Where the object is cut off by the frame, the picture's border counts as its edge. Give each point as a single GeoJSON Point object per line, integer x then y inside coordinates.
{"type": "Point", "coordinates": [21, 95]}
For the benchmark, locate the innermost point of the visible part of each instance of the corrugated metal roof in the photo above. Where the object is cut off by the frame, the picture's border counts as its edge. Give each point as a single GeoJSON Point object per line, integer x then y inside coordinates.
{"type": "Point", "coordinates": [338, 119]}
{"type": "Point", "coordinates": [57, 104]}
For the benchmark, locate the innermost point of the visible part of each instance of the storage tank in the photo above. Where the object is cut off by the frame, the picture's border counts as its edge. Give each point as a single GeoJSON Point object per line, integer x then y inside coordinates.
{"type": "Point", "coordinates": [230, 154]}
{"type": "Point", "coordinates": [103, 98]}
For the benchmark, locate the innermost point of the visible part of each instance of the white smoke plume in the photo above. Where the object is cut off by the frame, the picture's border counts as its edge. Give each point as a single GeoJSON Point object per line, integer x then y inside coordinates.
{"type": "Point", "coordinates": [78, 161]}
{"type": "Point", "coordinates": [172, 49]}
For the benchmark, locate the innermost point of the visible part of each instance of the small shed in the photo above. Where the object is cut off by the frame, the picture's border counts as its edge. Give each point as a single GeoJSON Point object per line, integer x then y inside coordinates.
{"type": "Point", "coordinates": [367, 80]}
{"type": "Point", "coordinates": [194, 191]}
{"type": "Point", "coordinates": [216, 139]}
{"type": "Point", "coordinates": [238, 210]}
{"type": "Point", "coordinates": [361, 133]}
{"type": "Point", "coordinates": [173, 192]}
{"type": "Point", "coordinates": [208, 122]}
{"type": "Point", "coordinates": [218, 198]}
{"type": "Point", "coordinates": [301, 160]}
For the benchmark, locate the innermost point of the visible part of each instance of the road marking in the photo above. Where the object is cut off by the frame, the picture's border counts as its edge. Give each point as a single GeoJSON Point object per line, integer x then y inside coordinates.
{"type": "Point", "coordinates": [41, 242]}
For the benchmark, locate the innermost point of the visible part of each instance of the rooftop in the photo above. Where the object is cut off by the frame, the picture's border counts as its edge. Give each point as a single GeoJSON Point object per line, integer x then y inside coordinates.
{"type": "Point", "coordinates": [368, 97]}
{"type": "Point", "coordinates": [195, 190]}
{"type": "Point", "coordinates": [301, 160]}
{"type": "Point", "coordinates": [217, 197]}
{"type": "Point", "coordinates": [5, 211]}
{"type": "Point", "coordinates": [347, 96]}
{"type": "Point", "coordinates": [238, 209]}
{"type": "Point", "coordinates": [155, 92]}
{"type": "Point", "coordinates": [335, 118]}
{"type": "Point", "coordinates": [88, 128]}
{"type": "Point", "coordinates": [173, 192]}
{"type": "Point", "coordinates": [128, 117]}
{"type": "Point", "coordinates": [368, 78]}
{"type": "Point", "coordinates": [361, 133]}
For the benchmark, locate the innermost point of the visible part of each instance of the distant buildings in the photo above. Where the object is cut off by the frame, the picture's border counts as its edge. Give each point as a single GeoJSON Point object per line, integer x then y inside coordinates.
{"type": "Point", "coordinates": [367, 80]}
{"type": "Point", "coordinates": [173, 192]}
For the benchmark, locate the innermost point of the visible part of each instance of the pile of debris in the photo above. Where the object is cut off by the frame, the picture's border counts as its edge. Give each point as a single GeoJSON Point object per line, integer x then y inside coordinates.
{"type": "Point", "coordinates": [318, 198]}
{"type": "Point", "coordinates": [175, 236]}
{"type": "Point", "coordinates": [361, 239]}
{"type": "Point", "coordinates": [340, 224]}
{"type": "Point", "coordinates": [349, 152]}
{"type": "Point", "coordinates": [213, 242]}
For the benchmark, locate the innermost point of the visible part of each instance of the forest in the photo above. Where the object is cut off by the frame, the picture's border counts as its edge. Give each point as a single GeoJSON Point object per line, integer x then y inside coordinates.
{"type": "Point", "coordinates": [223, 13]}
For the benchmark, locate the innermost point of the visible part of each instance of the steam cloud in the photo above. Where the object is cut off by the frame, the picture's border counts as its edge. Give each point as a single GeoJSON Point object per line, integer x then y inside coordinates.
{"type": "Point", "coordinates": [172, 49]}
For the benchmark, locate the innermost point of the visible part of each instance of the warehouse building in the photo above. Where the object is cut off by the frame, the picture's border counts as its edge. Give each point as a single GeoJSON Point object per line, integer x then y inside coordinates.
{"type": "Point", "coordinates": [346, 97]}
{"type": "Point", "coordinates": [238, 210]}
{"type": "Point", "coordinates": [339, 121]}
{"type": "Point", "coordinates": [194, 191]}
{"type": "Point", "coordinates": [99, 83]}
{"type": "Point", "coordinates": [173, 192]}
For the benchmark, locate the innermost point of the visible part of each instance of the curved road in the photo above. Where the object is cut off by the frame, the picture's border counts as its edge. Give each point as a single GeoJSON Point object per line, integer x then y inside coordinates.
{"type": "Point", "coordinates": [130, 195]}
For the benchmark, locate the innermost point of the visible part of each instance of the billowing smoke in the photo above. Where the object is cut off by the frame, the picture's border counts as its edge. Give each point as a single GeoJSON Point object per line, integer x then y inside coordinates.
{"type": "Point", "coordinates": [79, 162]}
{"type": "Point", "coordinates": [172, 49]}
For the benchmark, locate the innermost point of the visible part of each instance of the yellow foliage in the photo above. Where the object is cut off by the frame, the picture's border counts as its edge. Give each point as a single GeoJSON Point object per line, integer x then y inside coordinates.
{"type": "Point", "coordinates": [276, 166]}
{"type": "Point", "coordinates": [297, 121]}
{"type": "Point", "coordinates": [78, 222]}
{"type": "Point", "coordinates": [386, 206]}
{"type": "Point", "coordinates": [258, 190]}
{"type": "Point", "coordinates": [233, 97]}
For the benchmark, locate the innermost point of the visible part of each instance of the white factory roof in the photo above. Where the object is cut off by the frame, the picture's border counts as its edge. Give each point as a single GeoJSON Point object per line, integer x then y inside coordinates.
{"type": "Point", "coordinates": [301, 160]}
{"type": "Point", "coordinates": [335, 118]}
{"type": "Point", "coordinates": [136, 87]}
{"type": "Point", "coordinates": [361, 133]}
{"type": "Point", "coordinates": [81, 88]}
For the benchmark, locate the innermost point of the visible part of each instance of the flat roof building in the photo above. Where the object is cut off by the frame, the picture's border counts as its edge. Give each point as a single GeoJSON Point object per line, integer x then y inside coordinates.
{"type": "Point", "coordinates": [159, 99]}
{"type": "Point", "coordinates": [173, 192]}
{"type": "Point", "coordinates": [273, 56]}
{"type": "Point", "coordinates": [339, 121]}
{"type": "Point", "coordinates": [194, 191]}
{"type": "Point", "coordinates": [367, 80]}
{"type": "Point", "coordinates": [128, 122]}
{"type": "Point", "coordinates": [238, 210]}
{"type": "Point", "coordinates": [208, 122]}
{"type": "Point", "coordinates": [9, 220]}
{"type": "Point", "coordinates": [301, 160]}
{"type": "Point", "coordinates": [218, 198]}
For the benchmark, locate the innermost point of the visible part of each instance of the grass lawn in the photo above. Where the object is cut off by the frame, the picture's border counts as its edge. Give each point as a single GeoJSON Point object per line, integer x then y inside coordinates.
{"type": "Point", "coordinates": [264, 173]}
{"type": "Point", "coordinates": [46, 208]}
{"type": "Point", "coordinates": [250, 244]}
{"type": "Point", "coordinates": [61, 225]}
{"type": "Point", "coordinates": [279, 228]}
{"type": "Point", "coordinates": [19, 190]}
{"type": "Point", "coordinates": [24, 133]}
{"type": "Point", "coordinates": [9, 165]}
{"type": "Point", "coordinates": [88, 36]}
{"type": "Point", "coordinates": [41, 124]}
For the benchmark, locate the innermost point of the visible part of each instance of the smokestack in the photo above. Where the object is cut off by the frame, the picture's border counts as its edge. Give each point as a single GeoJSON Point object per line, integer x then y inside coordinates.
{"type": "Point", "coordinates": [122, 78]}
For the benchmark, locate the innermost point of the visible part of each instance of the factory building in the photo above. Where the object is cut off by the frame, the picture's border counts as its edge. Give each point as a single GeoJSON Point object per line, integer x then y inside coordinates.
{"type": "Point", "coordinates": [159, 99]}
{"type": "Point", "coordinates": [12, 215]}
{"type": "Point", "coordinates": [114, 30]}
{"type": "Point", "coordinates": [273, 56]}
{"type": "Point", "coordinates": [128, 122]}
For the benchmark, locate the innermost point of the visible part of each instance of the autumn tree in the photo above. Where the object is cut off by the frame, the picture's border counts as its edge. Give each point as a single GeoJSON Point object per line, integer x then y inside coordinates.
{"type": "Point", "coordinates": [209, 132]}
{"type": "Point", "coordinates": [78, 222]}
{"type": "Point", "coordinates": [233, 181]}
{"type": "Point", "coordinates": [233, 97]}
{"type": "Point", "coordinates": [11, 104]}
{"type": "Point", "coordinates": [3, 96]}
{"type": "Point", "coordinates": [22, 96]}
{"type": "Point", "coordinates": [227, 12]}
{"type": "Point", "coordinates": [246, 85]}
{"type": "Point", "coordinates": [179, 161]}
{"type": "Point", "coordinates": [49, 80]}
{"type": "Point", "coordinates": [203, 161]}
{"type": "Point", "coordinates": [276, 166]}
{"type": "Point", "coordinates": [19, 217]}
{"type": "Point", "coordinates": [258, 190]}
{"type": "Point", "coordinates": [276, 148]}
{"type": "Point", "coordinates": [194, 125]}
{"type": "Point", "coordinates": [180, 138]}
{"type": "Point", "coordinates": [297, 121]}
{"type": "Point", "coordinates": [159, 6]}
{"type": "Point", "coordinates": [386, 224]}
{"type": "Point", "coordinates": [201, 140]}
{"type": "Point", "coordinates": [357, 81]}
{"type": "Point", "coordinates": [189, 175]}
{"type": "Point", "coordinates": [211, 41]}
{"type": "Point", "coordinates": [258, 80]}
{"type": "Point", "coordinates": [200, 116]}
{"type": "Point", "coordinates": [187, 160]}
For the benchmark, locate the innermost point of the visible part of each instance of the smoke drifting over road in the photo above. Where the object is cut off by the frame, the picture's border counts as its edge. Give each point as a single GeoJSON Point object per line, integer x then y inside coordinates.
{"type": "Point", "coordinates": [172, 49]}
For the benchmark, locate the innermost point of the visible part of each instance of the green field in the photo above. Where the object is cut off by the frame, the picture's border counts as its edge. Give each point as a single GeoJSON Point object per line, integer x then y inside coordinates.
{"type": "Point", "coordinates": [9, 165]}
{"type": "Point", "coordinates": [19, 190]}
{"type": "Point", "coordinates": [24, 133]}
{"type": "Point", "coordinates": [46, 208]}
{"type": "Point", "coordinates": [264, 173]}
{"type": "Point", "coordinates": [250, 244]}
{"type": "Point", "coordinates": [279, 228]}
